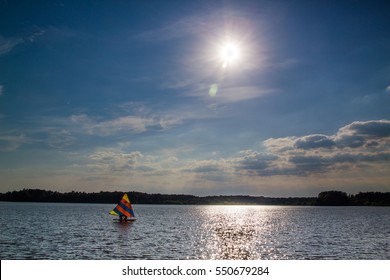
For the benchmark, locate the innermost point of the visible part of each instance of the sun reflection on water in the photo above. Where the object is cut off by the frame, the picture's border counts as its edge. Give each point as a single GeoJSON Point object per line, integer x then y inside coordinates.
{"type": "Point", "coordinates": [233, 232]}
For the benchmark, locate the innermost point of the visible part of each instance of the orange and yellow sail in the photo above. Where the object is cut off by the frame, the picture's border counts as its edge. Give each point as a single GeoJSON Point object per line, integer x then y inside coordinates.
{"type": "Point", "coordinates": [123, 208]}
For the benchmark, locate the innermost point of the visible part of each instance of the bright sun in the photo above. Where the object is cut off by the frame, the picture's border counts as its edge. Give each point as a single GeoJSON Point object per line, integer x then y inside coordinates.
{"type": "Point", "coordinates": [229, 53]}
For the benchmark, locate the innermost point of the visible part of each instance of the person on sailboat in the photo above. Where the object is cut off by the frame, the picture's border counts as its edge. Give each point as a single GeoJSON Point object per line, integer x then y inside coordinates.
{"type": "Point", "coordinates": [122, 218]}
{"type": "Point", "coordinates": [124, 210]}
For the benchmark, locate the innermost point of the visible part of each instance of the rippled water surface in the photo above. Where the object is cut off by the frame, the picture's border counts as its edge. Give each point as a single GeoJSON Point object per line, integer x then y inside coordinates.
{"type": "Point", "coordinates": [86, 231]}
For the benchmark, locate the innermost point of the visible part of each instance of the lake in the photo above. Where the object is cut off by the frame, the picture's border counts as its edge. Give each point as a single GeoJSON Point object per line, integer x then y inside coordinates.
{"type": "Point", "coordinates": [86, 231]}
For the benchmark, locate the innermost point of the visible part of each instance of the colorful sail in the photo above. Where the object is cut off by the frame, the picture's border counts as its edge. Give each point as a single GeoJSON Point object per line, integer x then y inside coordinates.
{"type": "Point", "coordinates": [123, 208]}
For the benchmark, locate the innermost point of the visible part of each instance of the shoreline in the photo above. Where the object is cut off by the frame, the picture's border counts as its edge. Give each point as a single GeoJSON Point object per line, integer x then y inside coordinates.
{"type": "Point", "coordinates": [328, 198]}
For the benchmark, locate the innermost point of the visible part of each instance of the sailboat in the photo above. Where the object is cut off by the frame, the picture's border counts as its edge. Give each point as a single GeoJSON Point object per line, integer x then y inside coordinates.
{"type": "Point", "coordinates": [124, 210]}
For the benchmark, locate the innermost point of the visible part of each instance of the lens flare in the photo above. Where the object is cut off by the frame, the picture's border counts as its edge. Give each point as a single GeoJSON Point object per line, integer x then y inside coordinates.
{"type": "Point", "coordinates": [213, 90]}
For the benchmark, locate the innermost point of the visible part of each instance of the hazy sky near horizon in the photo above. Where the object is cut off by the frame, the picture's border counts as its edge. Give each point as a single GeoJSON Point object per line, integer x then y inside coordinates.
{"type": "Point", "coordinates": [136, 95]}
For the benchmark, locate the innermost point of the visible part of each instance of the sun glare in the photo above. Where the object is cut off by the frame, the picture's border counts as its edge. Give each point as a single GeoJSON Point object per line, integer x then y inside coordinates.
{"type": "Point", "coordinates": [229, 53]}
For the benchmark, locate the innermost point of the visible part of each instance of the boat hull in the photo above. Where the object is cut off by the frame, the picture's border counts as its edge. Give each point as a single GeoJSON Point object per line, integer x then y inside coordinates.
{"type": "Point", "coordinates": [125, 221]}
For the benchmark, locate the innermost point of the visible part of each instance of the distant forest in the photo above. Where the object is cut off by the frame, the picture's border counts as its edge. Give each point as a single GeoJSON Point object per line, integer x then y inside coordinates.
{"type": "Point", "coordinates": [328, 198]}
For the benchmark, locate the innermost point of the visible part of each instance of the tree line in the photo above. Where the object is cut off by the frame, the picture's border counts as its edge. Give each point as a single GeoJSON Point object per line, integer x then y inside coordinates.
{"type": "Point", "coordinates": [328, 198]}
{"type": "Point", "coordinates": [38, 195]}
{"type": "Point", "coordinates": [338, 198]}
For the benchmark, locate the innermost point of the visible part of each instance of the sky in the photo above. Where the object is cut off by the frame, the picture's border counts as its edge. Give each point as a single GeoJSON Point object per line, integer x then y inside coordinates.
{"type": "Point", "coordinates": [273, 98]}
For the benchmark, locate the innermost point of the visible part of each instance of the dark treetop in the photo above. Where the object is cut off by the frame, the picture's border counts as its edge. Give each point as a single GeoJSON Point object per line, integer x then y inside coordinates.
{"type": "Point", "coordinates": [328, 198]}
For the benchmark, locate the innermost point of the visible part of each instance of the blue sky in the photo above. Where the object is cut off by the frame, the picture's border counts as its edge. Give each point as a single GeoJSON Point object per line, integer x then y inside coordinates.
{"type": "Point", "coordinates": [134, 95]}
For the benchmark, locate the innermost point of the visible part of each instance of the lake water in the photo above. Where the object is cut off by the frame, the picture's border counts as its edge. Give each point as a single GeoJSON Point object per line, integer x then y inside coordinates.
{"type": "Point", "coordinates": [86, 231]}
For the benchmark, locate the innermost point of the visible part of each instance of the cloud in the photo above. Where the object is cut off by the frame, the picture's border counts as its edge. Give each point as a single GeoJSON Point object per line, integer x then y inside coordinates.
{"type": "Point", "coordinates": [125, 124]}
{"type": "Point", "coordinates": [60, 139]}
{"type": "Point", "coordinates": [111, 154]}
{"type": "Point", "coordinates": [123, 164]}
{"type": "Point", "coordinates": [204, 166]}
{"type": "Point", "coordinates": [144, 168]}
{"type": "Point", "coordinates": [132, 124]}
{"type": "Point", "coordinates": [201, 171]}
{"type": "Point", "coordinates": [33, 36]}
{"type": "Point", "coordinates": [314, 142]}
{"type": "Point", "coordinates": [253, 160]}
{"type": "Point", "coordinates": [368, 129]}
{"type": "Point", "coordinates": [8, 44]}
{"type": "Point", "coordinates": [354, 135]}
{"type": "Point", "coordinates": [353, 147]}
{"type": "Point", "coordinates": [64, 132]}
{"type": "Point", "coordinates": [356, 145]}
{"type": "Point", "coordinates": [9, 143]}
{"type": "Point", "coordinates": [113, 160]}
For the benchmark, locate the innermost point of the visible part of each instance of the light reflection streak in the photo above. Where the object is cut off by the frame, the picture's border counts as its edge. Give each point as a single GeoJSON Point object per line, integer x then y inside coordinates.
{"type": "Point", "coordinates": [233, 232]}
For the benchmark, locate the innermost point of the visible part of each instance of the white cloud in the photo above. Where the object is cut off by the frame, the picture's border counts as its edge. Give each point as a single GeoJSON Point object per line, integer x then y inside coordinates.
{"type": "Point", "coordinates": [81, 119]}
{"type": "Point", "coordinates": [126, 124]}
{"type": "Point", "coordinates": [8, 44]}
{"type": "Point", "coordinates": [9, 143]}
{"type": "Point", "coordinates": [169, 122]}
{"type": "Point", "coordinates": [354, 146]}
{"type": "Point", "coordinates": [132, 124]}
{"type": "Point", "coordinates": [59, 139]}
{"type": "Point", "coordinates": [113, 160]}
{"type": "Point", "coordinates": [279, 144]}
{"type": "Point", "coordinates": [203, 166]}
